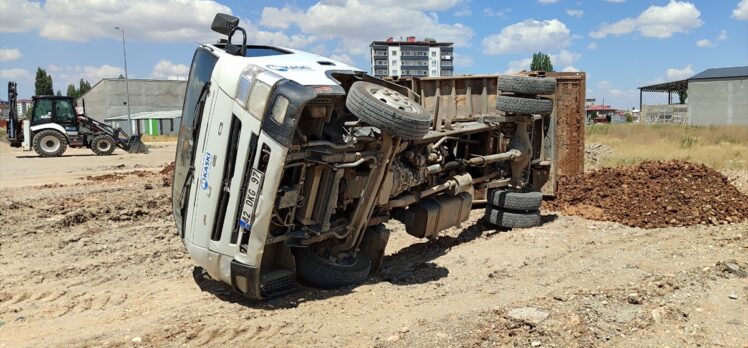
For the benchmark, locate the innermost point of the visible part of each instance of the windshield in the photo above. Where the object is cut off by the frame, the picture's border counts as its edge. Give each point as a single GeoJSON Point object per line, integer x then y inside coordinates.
{"type": "Point", "coordinates": [194, 103]}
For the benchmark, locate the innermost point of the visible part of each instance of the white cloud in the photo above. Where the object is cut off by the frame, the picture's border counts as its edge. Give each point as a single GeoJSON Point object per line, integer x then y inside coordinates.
{"type": "Point", "coordinates": [490, 12]}
{"type": "Point", "coordinates": [680, 74]}
{"type": "Point", "coordinates": [343, 58]}
{"type": "Point", "coordinates": [147, 20]}
{"type": "Point", "coordinates": [529, 36]}
{"type": "Point", "coordinates": [464, 12]}
{"type": "Point", "coordinates": [656, 21]}
{"type": "Point", "coordinates": [741, 11]}
{"type": "Point", "coordinates": [278, 38]}
{"type": "Point", "coordinates": [356, 22]}
{"type": "Point", "coordinates": [621, 27]}
{"type": "Point", "coordinates": [8, 54]}
{"type": "Point", "coordinates": [18, 15]}
{"type": "Point", "coordinates": [15, 74]}
{"type": "Point", "coordinates": [564, 58]}
{"type": "Point", "coordinates": [570, 69]}
{"type": "Point", "coordinates": [64, 75]}
{"type": "Point", "coordinates": [722, 35]}
{"type": "Point", "coordinates": [575, 13]}
{"type": "Point", "coordinates": [704, 43]}
{"type": "Point", "coordinates": [592, 46]}
{"type": "Point", "coordinates": [423, 5]}
{"type": "Point", "coordinates": [604, 85]}
{"type": "Point", "coordinates": [462, 61]}
{"type": "Point", "coordinates": [546, 2]}
{"type": "Point", "coordinates": [516, 66]}
{"type": "Point", "coordinates": [167, 70]}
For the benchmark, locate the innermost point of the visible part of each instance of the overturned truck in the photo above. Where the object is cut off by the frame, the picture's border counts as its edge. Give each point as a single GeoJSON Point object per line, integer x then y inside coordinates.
{"type": "Point", "coordinates": [289, 163]}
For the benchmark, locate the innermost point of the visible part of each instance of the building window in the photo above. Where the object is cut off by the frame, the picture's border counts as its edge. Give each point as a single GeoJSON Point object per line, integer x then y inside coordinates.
{"type": "Point", "coordinates": [433, 63]}
{"type": "Point", "coordinates": [446, 63]}
{"type": "Point", "coordinates": [446, 73]}
{"type": "Point", "coordinates": [433, 53]}
{"type": "Point", "coordinates": [380, 62]}
{"type": "Point", "coordinates": [394, 72]}
{"type": "Point", "coordinates": [433, 72]}
{"type": "Point", "coordinates": [394, 62]}
{"type": "Point", "coordinates": [380, 53]}
{"type": "Point", "coordinates": [393, 53]}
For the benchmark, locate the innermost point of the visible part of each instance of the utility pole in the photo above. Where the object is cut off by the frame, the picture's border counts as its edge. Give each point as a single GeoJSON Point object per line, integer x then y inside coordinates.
{"type": "Point", "coordinates": [133, 131]}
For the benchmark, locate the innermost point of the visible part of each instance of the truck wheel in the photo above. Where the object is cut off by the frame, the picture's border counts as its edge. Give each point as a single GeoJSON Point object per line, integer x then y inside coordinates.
{"type": "Point", "coordinates": [102, 145]}
{"type": "Point", "coordinates": [519, 105]}
{"type": "Point", "coordinates": [388, 110]}
{"type": "Point", "coordinates": [328, 274]}
{"type": "Point", "coordinates": [50, 143]}
{"type": "Point", "coordinates": [527, 85]}
{"type": "Point", "coordinates": [522, 201]}
{"type": "Point", "coordinates": [512, 219]}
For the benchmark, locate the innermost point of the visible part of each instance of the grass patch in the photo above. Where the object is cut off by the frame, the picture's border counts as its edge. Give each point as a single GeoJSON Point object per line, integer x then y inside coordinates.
{"type": "Point", "coordinates": [720, 147]}
{"type": "Point", "coordinates": [158, 138]}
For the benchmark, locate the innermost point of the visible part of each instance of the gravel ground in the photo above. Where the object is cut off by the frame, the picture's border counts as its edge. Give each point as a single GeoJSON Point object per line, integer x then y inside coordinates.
{"type": "Point", "coordinates": [80, 269]}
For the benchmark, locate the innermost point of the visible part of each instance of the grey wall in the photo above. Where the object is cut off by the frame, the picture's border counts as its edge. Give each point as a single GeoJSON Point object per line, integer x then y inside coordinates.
{"type": "Point", "coordinates": [107, 98]}
{"type": "Point", "coordinates": [718, 102]}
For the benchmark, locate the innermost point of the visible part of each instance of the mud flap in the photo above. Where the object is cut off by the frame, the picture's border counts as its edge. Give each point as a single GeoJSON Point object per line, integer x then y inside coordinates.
{"type": "Point", "coordinates": [373, 245]}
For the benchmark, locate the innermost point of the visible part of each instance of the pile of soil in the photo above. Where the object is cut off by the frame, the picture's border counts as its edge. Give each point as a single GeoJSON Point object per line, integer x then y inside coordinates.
{"type": "Point", "coordinates": [652, 195]}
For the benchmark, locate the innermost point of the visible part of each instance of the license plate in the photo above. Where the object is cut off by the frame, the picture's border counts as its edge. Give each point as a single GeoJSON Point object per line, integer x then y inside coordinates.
{"type": "Point", "coordinates": [250, 199]}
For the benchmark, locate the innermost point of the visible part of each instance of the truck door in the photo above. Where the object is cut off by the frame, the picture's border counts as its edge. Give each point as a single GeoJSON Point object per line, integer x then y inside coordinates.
{"type": "Point", "coordinates": [64, 115]}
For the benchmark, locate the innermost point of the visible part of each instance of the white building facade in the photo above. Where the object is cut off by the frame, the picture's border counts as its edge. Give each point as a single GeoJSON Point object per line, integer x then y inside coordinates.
{"type": "Point", "coordinates": [411, 58]}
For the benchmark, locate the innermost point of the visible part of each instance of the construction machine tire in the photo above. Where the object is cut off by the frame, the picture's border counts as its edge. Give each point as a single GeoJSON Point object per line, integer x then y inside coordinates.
{"type": "Point", "coordinates": [527, 85]}
{"type": "Point", "coordinates": [103, 145]}
{"type": "Point", "coordinates": [520, 105]}
{"type": "Point", "coordinates": [512, 219]}
{"type": "Point", "coordinates": [50, 143]}
{"type": "Point", "coordinates": [388, 110]}
{"type": "Point", "coordinates": [327, 274]}
{"type": "Point", "coordinates": [519, 201]}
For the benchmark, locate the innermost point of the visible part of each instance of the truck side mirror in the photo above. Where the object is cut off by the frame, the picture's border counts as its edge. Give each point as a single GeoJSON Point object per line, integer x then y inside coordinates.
{"type": "Point", "coordinates": [224, 24]}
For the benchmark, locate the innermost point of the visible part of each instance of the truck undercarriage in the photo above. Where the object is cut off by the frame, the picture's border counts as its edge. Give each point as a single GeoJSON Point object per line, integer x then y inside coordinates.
{"type": "Point", "coordinates": [303, 192]}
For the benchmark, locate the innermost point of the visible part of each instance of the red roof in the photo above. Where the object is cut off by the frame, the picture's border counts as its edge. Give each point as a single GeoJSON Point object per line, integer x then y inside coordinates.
{"type": "Point", "coordinates": [600, 108]}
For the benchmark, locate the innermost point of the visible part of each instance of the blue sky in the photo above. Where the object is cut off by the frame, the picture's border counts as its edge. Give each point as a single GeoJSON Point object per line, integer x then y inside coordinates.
{"type": "Point", "coordinates": [620, 44]}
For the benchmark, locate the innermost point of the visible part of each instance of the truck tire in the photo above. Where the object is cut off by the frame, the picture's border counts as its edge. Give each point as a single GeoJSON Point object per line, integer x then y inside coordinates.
{"type": "Point", "coordinates": [527, 85]}
{"type": "Point", "coordinates": [512, 219]}
{"type": "Point", "coordinates": [388, 110]}
{"type": "Point", "coordinates": [519, 105]}
{"type": "Point", "coordinates": [102, 145]}
{"type": "Point", "coordinates": [327, 274]}
{"type": "Point", "coordinates": [50, 143]}
{"type": "Point", "coordinates": [520, 201]}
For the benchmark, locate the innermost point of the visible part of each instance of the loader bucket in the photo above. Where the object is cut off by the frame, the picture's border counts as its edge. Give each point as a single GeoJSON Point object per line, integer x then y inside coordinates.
{"type": "Point", "coordinates": [136, 145]}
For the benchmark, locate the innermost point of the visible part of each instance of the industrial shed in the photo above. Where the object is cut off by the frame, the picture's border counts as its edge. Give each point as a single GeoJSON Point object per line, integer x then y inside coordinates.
{"type": "Point", "coordinates": [108, 98]}
{"type": "Point", "coordinates": [151, 123]}
{"type": "Point", "coordinates": [715, 97]}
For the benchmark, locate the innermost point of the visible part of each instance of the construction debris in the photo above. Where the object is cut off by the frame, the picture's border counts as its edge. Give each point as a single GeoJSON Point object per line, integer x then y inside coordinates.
{"type": "Point", "coordinates": [653, 195]}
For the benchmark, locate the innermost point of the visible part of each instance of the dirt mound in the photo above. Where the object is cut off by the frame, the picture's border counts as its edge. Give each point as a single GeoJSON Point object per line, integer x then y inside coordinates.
{"type": "Point", "coordinates": [653, 195]}
{"type": "Point", "coordinates": [169, 168]}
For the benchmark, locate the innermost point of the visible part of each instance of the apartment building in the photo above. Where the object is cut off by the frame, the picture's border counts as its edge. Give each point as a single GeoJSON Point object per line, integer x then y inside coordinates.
{"type": "Point", "coordinates": [411, 58]}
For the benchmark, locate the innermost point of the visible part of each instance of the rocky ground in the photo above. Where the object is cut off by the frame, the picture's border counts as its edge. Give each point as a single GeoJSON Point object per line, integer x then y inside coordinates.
{"type": "Point", "coordinates": [96, 262]}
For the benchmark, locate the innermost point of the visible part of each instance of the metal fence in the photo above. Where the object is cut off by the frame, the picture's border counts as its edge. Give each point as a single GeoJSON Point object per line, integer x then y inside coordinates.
{"type": "Point", "coordinates": [673, 113]}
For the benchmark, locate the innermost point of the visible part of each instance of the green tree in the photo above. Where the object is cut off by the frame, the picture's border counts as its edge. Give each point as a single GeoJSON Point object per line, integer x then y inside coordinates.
{"type": "Point", "coordinates": [683, 95]}
{"type": "Point", "coordinates": [541, 62]}
{"type": "Point", "coordinates": [43, 83]}
{"type": "Point", "coordinates": [59, 93]}
{"type": "Point", "coordinates": [121, 77]}
{"type": "Point", "coordinates": [83, 87]}
{"type": "Point", "coordinates": [72, 91]}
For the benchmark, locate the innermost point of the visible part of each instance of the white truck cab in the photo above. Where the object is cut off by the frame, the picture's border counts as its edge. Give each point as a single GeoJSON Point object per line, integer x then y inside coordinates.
{"type": "Point", "coordinates": [288, 163]}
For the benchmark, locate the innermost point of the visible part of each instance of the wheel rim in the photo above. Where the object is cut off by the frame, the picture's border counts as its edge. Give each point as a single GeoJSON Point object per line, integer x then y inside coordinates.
{"type": "Point", "coordinates": [393, 99]}
{"type": "Point", "coordinates": [50, 143]}
{"type": "Point", "coordinates": [103, 145]}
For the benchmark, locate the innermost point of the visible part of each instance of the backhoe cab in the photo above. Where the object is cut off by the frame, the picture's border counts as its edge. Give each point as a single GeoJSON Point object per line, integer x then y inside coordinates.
{"type": "Point", "coordinates": [55, 124]}
{"type": "Point", "coordinates": [288, 164]}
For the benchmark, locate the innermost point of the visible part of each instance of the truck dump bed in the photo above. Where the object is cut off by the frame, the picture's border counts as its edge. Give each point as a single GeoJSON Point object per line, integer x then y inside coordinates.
{"type": "Point", "coordinates": [467, 98]}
